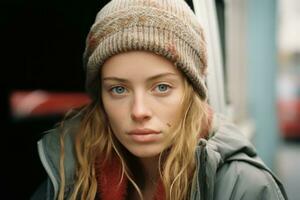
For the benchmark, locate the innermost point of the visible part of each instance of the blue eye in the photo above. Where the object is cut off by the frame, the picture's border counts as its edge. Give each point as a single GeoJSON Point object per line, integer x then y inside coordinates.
{"type": "Point", "coordinates": [162, 87]}
{"type": "Point", "coordinates": [118, 90]}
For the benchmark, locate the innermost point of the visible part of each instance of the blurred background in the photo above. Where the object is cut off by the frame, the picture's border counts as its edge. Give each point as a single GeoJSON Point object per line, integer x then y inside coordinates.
{"type": "Point", "coordinates": [254, 78]}
{"type": "Point", "coordinates": [262, 70]}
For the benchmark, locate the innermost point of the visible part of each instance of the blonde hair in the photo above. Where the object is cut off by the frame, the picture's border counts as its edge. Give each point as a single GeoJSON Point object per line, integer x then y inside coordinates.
{"type": "Point", "coordinates": [176, 165]}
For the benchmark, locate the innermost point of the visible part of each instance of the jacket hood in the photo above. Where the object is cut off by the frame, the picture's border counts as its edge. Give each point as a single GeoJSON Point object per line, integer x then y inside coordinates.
{"type": "Point", "coordinates": [226, 143]}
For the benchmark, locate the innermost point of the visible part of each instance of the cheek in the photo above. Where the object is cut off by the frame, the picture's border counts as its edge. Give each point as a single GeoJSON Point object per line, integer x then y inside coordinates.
{"type": "Point", "coordinates": [175, 113]}
{"type": "Point", "coordinates": [171, 110]}
{"type": "Point", "coordinates": [116, 113]}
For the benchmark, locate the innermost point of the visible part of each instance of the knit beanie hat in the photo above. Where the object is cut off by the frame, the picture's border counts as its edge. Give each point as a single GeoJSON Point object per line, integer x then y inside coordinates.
{"type": "Point", "coordinates": [165, 27]}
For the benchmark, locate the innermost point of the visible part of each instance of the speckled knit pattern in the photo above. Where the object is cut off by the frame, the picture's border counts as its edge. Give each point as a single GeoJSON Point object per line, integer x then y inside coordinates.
{"type": "Point", "coordinates": [166, 27]}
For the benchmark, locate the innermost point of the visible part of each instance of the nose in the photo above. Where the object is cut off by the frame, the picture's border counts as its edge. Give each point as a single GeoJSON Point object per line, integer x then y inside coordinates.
{"type": "Point", "coordinates": [140, 111]}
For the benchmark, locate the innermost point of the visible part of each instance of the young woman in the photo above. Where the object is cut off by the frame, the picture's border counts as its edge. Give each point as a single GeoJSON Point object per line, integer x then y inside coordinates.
{"type": "Point", "coordinates": [149, 132]}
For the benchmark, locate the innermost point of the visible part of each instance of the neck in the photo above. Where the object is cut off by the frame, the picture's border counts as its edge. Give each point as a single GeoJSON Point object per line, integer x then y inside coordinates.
{"type": "Point", "coordinates": [150, 169]}
{"type": "Point", "coordinates": [150, 176]}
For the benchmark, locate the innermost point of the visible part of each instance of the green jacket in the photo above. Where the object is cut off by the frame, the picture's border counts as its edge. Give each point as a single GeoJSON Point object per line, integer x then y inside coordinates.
{"type": "Point", "coordinates": [227, 166]}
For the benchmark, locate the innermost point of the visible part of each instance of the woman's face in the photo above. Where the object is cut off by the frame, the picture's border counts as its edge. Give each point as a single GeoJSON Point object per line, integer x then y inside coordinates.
{"type": "Point", "coordinates": [142, 95]}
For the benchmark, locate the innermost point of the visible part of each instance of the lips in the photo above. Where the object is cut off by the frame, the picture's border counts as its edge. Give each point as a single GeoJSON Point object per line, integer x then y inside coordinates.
{"type": "Point", "coordinates": [145, 135]}
{"type": "Point", "coordinates": [143, 132]}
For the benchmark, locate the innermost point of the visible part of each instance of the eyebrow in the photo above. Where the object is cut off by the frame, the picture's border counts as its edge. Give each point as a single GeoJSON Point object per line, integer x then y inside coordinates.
{"type": "Point", "coordinates": [113, 78]}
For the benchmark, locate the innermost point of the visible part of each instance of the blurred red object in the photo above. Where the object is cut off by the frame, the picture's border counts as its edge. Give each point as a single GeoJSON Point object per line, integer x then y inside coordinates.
{"type": "Point", "coordinates": [289, 118]}
{"type": "Point", "coordinates": [289, 105]}
{"type": "Point", "coordinates": [43, 103]}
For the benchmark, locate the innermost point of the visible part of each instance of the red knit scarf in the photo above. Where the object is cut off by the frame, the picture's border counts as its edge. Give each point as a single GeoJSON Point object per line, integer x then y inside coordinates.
{"type": "Point", "coordinates": [109, 186]}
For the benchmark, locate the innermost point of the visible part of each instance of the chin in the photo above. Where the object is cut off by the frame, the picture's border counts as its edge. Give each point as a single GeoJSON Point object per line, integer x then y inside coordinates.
{"type": "Point", "coordinates": [145, 153]}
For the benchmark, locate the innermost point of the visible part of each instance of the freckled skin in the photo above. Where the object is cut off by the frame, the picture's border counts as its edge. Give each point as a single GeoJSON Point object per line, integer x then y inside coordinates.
{"type": "Point", "coordinates": [141, 90]}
